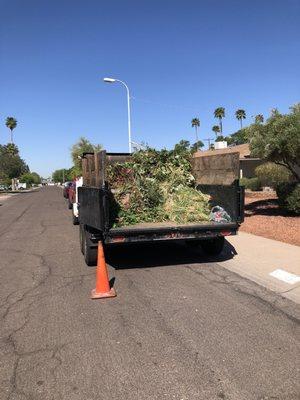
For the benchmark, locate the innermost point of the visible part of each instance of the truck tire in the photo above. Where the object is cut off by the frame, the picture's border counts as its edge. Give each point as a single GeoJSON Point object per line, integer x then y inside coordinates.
{"type": "Point", "coordinates": [75, 219]}
{"type": "Point", "coordinates": [213, 247]}
{"type": "Point", "coordinates": [81, 233]}
{"type": "Point", "coordinates": [90, 252]}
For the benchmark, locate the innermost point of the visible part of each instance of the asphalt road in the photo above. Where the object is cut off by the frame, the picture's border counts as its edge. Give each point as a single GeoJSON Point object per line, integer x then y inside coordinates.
{"type": "Point", "coordinates": [181, 327]}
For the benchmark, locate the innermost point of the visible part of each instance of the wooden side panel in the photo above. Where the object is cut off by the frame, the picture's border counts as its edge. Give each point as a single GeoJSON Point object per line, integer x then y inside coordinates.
{"type": "Point", "coordinates": [90, 169]}
{"type": "Point", "coordinates": [94, 167]}
{"type": "Point", "coordinates": [219, 169]}
{"type": "Point", "coordinates": [118, 158]}
{"type": "Point", "coordinates": [100, 168]}
{"type": "Point", "coordinates": [84, 171]}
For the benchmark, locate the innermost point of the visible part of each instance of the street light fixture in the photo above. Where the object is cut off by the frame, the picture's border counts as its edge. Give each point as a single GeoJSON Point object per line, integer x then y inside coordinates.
{"type": "Point", "coordinates": [113, 80]}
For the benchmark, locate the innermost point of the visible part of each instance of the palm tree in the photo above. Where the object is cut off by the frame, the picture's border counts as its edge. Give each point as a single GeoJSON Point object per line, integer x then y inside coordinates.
{"type": "Point", "coordinates": [259, 119]}
{"type": "Point", "coordinates": [11, 123]}
{"type": "Point", "coordinates": [220, 113]}
{"type": "Point", "coordinates": [216, 129]}
{"type": "Point", "coordinates": [240, 115]}
{"type": "Point", "coordinates": [196, 125]}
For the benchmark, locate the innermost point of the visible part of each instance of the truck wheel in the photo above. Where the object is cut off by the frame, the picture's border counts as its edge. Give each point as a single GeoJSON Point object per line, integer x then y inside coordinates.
{"type": "Point", "coordinates": [81, 233]}
{"type": "Point", "coordinates": [213, 247]}
{"type": "Point", "coordinates": [75, 219]}
{"type": "Point", "coordinates": [70, 205]}
{"type": "Point", "coordinates": [90, 253]}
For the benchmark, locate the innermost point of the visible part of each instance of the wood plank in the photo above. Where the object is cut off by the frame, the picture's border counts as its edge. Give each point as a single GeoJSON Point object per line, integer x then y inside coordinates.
{"type": "Point", "coordinates": [220, 169]}
{"type": "Point", "coordinates": [100, 168]}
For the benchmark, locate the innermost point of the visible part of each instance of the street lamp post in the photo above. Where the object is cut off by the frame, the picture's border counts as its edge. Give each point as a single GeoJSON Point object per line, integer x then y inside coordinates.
{"type": "Point", "coordinates": [113, 80]}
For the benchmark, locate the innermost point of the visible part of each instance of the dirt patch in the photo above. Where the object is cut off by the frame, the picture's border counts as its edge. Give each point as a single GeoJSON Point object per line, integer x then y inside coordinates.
{"type": "Point", "coordinates": [263, 217]}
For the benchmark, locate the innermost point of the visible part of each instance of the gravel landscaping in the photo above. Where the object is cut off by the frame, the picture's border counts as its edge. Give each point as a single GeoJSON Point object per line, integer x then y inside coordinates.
{"type": "Point", "coordinates": [263, 217]}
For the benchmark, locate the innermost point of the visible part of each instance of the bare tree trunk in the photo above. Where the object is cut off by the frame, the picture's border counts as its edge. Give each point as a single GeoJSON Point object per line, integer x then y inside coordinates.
{"type": "Point", "coordinates": [196, 129]}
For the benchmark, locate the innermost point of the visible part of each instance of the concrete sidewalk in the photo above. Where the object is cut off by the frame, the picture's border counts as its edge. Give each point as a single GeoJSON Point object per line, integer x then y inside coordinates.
{"type": "Point", "coordinates": [258, 257]}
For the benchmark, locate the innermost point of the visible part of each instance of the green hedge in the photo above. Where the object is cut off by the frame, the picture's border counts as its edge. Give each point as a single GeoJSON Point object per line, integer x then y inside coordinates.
{"type": "Point", "coordinates": [271, 174]}
{"type": "Point", "coordinates": [251, 183]}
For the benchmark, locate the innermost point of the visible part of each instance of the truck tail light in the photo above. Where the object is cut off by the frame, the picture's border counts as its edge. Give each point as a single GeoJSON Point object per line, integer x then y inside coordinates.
{"type": "Point", "coordinates": [117, 239]}
{"type": "Point", "coordinates": [225, 233]}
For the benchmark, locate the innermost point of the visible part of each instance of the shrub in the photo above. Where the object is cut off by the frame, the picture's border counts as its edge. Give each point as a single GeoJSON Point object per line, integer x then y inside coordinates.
{"type": "Point", "coordinates": [271, 174]}
{"type": "Point", "coordinates": [293, 200]}
{"type": "Point", "coordinates": [289, 196]}
{"type": "Point", "coordinates": [251, 183]}
{"type": "Point", "coordinates": [283, 190]}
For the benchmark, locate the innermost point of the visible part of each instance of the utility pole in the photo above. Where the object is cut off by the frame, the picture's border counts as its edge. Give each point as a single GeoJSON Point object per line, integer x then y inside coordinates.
{"type": "Point", "coordinates": [208, 141]}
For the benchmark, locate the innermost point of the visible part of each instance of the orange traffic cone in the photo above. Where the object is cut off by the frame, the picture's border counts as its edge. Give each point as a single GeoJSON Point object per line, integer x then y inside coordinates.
{"type": "Point", "coordinates": [102, 289]}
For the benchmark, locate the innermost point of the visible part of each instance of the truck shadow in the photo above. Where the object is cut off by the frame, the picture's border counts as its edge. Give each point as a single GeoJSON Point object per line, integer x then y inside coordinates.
{"type": "Point", "coordinates": [162, 254]}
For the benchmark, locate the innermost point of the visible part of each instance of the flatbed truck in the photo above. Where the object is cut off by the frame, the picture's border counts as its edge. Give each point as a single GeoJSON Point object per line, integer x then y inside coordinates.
{"type": "Point", "coordinates": [216, 177]}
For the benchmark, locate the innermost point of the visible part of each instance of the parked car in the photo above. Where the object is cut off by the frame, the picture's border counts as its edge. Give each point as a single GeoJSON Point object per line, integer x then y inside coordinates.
{"type": "Point", "coordinates": [71, 195]}
{"type": "Point", "coordinates": [75, 211]}
{"type": "Point", "coordinates": [66, 189]}
{"type": "Point", "coordinates": [4, 187]}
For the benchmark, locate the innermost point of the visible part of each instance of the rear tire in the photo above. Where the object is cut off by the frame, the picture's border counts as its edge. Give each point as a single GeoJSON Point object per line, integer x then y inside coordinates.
{"type": "Point", "coordinates": [75, 219]}
{"type": "Point", "coordinates": [213, 247]}
{"type": "Point", "coordinates": [89, 251]}
{"type": "Point", "coordinates": [81, 233]}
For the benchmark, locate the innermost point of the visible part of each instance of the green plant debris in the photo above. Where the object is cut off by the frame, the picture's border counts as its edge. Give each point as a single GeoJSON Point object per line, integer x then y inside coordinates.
{"type": "Point", "coordinates": [156, 186]}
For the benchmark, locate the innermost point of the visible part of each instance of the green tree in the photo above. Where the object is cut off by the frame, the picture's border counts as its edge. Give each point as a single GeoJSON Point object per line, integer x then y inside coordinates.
{"type": "Point", "coordinates": [63, 175]}
{"type": "Point", "coordinates": [82, 146]}
{"type": "Point", "coordinates": [197, 146]}
{"type": "Point", "coordinates": [219, 113]}
{"type": "Point", "coordinates": [12, 149]}
{"type": "Point", "coordinates": [216, 129]}
{"type": "Point", "coordinates": [259, 119]}
{"type": "Point", "coordinates": [30, 178]}
{"type": "Point", "coordinates": [240, 137]}
{"type": "Point", "coordinates": [240, 115]}
{"type": "Point", "coordinates": [182, 146]}
{"type": "Point", "coordinates": [278, 140]}
{"type": "Point", "coordinates": [11, 123]}
{"type": "Point", "coordinates": [11, 164]}
{"type": "Point", "coordinates": [196, 125]}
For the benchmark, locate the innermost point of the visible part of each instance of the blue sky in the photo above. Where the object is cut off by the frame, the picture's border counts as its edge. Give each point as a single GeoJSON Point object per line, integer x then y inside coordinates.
{"type": "Point", "coordinates": [181, 59]}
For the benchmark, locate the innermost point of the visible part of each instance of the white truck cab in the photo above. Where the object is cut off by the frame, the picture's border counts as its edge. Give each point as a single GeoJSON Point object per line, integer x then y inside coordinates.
{"type": "Point", "coordinates": [79, 182]}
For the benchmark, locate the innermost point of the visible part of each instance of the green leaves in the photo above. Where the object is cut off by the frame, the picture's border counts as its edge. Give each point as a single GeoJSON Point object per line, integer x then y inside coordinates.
{"type": "Point", "coordinates": [156, 186]}
{"type": "Point", "coordinates": [219, 112]}
{"type": "Point", "coordinates": [278, 140]}
{"type": "Point", "coordinates": [240, 114]}
{"type": "Point", "coordinates": [82, 146]}
{"type": "Point", "coordinates": [11, 164]}
{"type": "Point", "coordinates": [11, 123]}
